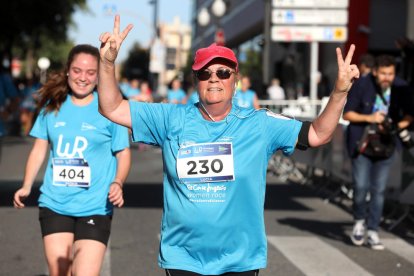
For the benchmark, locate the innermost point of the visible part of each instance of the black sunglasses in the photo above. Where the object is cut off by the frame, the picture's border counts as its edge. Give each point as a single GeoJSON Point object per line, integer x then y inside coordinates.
{"type": "Point", "coordinates": [222, 74]}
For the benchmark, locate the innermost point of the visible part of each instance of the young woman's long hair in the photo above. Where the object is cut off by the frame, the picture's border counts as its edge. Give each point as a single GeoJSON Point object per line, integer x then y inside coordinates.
{"type": "Point", "coordinates": [56, 89]}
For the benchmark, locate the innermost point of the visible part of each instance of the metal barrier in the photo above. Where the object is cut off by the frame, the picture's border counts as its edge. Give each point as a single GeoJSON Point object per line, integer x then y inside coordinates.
{"type": "Point", "coordinates": [332, 159]}
{"type": "Point", "coordinates": [302, 107]}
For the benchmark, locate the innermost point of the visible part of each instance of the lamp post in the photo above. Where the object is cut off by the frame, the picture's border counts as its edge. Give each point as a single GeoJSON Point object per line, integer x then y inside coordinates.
{"type": "Point", "coordinates": [43, 64]}
{"type": "Point", "coordinates": [218, 8]}
{"type": "Point", "coordinates": [203, 19]}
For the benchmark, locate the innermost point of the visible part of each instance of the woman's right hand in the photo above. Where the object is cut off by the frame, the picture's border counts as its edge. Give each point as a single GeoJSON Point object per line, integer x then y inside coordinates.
{"type": "Point", "coordinates": [110, 43]}
{"type": "Point", "coordinates": [20, 195]}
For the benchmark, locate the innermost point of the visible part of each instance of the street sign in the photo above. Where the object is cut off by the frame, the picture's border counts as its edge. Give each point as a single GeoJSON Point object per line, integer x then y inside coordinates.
{"type": "Point", "coordinates": [309, 33]}
{"type": "Point", "coordinates": [310, 16]}
{"type": "Point", "coordinates": [219, 37]}
{"type": "Point", "coordinates": [157, 56]}
{"type": "Point", "coordinates": [337, 4]}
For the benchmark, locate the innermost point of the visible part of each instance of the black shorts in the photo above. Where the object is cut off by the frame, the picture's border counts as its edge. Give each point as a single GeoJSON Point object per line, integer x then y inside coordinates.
{"type": "Point", "coordinates": [96, 227]}
{"type": "Point", "coordinates": [177, 272]}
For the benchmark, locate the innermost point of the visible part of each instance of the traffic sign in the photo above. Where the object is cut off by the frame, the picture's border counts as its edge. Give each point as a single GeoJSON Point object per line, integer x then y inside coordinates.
{"type": "Point", "coordinates": [219, 37]}
{"type": "Point", "coordinates": [157, 56]}
{"type": "Point", "coordinates": [310, 16]}
{"type": "Point", "coordinates": [309, 33]}
{"type": "Point", "coordinates": [337, 4]}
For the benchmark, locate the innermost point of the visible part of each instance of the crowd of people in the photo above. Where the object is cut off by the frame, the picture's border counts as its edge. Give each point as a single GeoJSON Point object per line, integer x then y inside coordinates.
{"type": "Point", "coordinates": [215, 140]}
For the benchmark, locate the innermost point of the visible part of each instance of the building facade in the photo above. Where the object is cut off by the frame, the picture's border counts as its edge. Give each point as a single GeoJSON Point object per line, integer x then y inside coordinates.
{"type": "Point", "coordinates": [374, 26]}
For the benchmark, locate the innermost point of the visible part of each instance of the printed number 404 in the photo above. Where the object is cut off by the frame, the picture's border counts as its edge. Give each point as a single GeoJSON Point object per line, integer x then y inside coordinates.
{"type": "Point", "coordinates": [71, 174]}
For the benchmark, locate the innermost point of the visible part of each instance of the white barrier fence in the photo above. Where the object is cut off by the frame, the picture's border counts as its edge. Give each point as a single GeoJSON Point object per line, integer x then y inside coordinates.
{"type": "Point", "coordinates": [302, 107]}
{"type": "Point", "coordinates": [333, 159]}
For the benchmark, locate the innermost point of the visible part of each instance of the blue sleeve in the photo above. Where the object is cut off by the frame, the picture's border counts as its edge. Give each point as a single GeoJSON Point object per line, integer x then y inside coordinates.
{"type": "Point", "coordinates": [282, 132]}
{"type": "Point", "coordinates": [39, 129]}
{"type": "Point", "coordinates": [120, 137]}
{"type": "Point", "coordinates": [150, 122]}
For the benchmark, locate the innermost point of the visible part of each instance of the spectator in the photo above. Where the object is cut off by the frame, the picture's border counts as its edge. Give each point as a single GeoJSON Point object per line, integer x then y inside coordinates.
{"type": "Point", "coordinates": [245, 97]}
{"type": "Point", "coordinates": [275, 91]}
{"type": "Point", "coordinates": [133, 90]}
{"type": "Point", "coordinates": [28, 105]}
{"type": "Point", "coordinates": [373, 99]}
{"type": "Point", "coordinates": [9, 102]}
{"type": "Point", "coordinates": [145, 93]}
{"type": "Point", "coordinates": [366, 63]}
{"type": "Point", "coordinates": [176, 94]}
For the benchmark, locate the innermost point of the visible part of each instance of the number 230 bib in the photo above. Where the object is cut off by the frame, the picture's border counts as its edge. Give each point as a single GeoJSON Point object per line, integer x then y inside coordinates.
{"type": "Point", "coordinates": [206, 162]}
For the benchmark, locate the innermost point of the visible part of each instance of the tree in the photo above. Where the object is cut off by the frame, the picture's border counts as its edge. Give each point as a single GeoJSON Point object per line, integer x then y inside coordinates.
{"type": "Point", "coordinates": [252, 68]}
{"type": "Point", "coordinates": [27, 26]}
{"type": "Point", "coordinates": [137, 63]}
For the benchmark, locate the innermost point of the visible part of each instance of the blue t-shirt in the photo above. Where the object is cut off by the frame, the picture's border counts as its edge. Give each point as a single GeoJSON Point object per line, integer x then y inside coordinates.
{"type": "Point", "coordinates": [214, 183]}
{"type": "Point", "coordinates": [132, 92]}
{"type": "Point", "coordinates": [194, 98]}
{"type": "Point", "coordinates": [245, 99]}
{"type": "Point", "coordinates": [176, 96]}
{"type": "Point", "coordinates": [86, 142]}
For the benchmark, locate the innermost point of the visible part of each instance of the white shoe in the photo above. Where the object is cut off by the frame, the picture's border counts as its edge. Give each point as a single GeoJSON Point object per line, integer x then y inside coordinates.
{"type": "Point", "coordinates": [358, 233]}
{"type": "Point", "coordinates": [373, 240]}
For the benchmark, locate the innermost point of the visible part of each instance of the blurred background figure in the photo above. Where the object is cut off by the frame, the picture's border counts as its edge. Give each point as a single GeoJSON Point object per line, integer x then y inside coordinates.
{"type": "Point", "coordinates": [9, 104]}
{"type": "Point", "coordinates": [133, 90]}
{"type": "Point", "coordinates": [245, 97]}
{"type": "Point", "coordinates": [366, 63]}
{"type": "Point", "coordinates": [275, 91]}
{"type": "Point", "coordinates": [145, 93]}
{"type": "Point", "coordinates": [124, 85]}
{"type": "Point", "coordinates": [28, 104]}
{"type": "Point", "coordinates": [176, 94]}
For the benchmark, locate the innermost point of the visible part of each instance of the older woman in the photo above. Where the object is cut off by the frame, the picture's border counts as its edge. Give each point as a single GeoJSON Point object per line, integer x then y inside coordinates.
{"type": "Point", "coordinates": [215, 157]}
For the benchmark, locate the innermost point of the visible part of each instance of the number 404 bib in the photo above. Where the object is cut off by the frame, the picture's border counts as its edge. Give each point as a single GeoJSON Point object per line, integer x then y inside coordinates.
{"type": "Point", "coordinates": [71, 172]}
{"type": "Point", "coordinates": [207, 162]}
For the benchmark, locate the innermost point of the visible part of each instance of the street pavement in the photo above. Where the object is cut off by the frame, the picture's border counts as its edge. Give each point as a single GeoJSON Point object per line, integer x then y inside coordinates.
{"type": "Point", "coordinates": [306, 234]}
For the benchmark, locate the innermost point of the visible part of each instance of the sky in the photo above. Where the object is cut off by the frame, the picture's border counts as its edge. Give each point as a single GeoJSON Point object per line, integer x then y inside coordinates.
{"type": "Point", "coordinates": [100, 18]}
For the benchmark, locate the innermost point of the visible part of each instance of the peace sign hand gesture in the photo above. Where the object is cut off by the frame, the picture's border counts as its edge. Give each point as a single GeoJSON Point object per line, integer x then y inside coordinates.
{"type": "Point", "coordinates": [110, 43]}
{"type": "Point", "coordinates": [347, 72]}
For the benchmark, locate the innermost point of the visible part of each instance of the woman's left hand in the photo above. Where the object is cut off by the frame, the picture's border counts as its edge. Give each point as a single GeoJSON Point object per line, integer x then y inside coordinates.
{"type": "Point", "coordinates": [116, 195]}
{"type": "Point", "coordinates": [347, 72]}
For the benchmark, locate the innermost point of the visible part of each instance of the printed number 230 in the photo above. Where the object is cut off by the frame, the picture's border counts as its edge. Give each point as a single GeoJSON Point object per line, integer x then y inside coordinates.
{"type": "Point", "coordinates": [204, 167]}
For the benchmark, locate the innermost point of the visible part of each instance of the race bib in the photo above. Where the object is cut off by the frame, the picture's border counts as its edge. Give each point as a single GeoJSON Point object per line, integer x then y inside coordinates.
{"type": "Point", "coordinates": [71, 172]}
{"type": "Point", "coordinates": [207, 162]}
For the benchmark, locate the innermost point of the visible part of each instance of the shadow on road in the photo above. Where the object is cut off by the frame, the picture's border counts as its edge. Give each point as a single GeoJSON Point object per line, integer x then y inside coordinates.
{"type": "Point", "coordinates": [331, 230]}
{"type": "Point", "coordinates": [150, 195]}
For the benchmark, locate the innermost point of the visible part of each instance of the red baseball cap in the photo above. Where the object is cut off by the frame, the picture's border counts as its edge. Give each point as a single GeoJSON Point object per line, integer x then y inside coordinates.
{"type": "Point", "coordinates": [204, 55]}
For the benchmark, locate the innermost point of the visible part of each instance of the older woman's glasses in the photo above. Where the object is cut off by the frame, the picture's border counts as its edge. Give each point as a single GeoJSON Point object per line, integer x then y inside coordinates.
{"type": "Point", "coordinates": [222, 74]}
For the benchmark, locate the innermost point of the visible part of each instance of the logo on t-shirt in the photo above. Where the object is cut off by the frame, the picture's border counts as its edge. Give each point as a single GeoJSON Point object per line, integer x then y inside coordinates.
{"type": "Point", "coordinates": [86, 126]}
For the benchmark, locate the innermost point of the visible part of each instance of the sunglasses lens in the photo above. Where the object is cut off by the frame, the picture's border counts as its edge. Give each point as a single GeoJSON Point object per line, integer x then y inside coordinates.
{"type": "Point", "coordinates": [223, 74]}
{"type": "Point", "coordinates": [203, 75]}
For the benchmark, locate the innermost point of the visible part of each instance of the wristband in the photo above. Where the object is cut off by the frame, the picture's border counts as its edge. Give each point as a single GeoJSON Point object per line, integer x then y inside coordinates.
{"type": "Point", "coordinates": [116, 182]}
{"type": "Point", "coordinates": [303, 140]}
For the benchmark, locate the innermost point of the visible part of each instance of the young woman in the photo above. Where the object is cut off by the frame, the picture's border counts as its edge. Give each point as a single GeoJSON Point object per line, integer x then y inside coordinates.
{"type": "Point", "coordinates": [89, 160]}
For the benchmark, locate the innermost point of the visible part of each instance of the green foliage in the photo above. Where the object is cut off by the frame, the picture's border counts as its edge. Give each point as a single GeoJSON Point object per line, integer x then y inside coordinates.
{"type": "Point", "coordinates": [253, 65]}
{"type": "Point", "coordinates": [36, 25]}
{"type": "Point", "coordinates": [137, 63]}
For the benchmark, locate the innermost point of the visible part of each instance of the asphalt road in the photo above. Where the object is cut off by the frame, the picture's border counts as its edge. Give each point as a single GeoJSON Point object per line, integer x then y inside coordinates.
{"type": "Point", "coordinates": [306, 235]}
